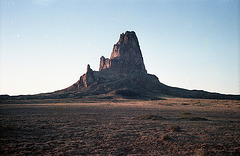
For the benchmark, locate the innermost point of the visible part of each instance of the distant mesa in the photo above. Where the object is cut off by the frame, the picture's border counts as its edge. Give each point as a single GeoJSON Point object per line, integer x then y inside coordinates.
{"type": "Point", "coordinates": [123, 75]}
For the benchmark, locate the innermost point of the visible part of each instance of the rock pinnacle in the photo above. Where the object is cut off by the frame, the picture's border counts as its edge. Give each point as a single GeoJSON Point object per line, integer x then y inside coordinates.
{"type": "Point", "coordinates": [126, 55]}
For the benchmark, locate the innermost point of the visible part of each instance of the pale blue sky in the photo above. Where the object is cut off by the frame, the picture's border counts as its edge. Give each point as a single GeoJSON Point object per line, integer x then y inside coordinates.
{"type": "Point", "coordinates": [45, 45]}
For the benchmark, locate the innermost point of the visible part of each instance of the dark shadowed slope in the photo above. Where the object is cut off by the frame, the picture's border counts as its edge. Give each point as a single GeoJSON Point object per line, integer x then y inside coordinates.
{"type": "Point", "coordinates": [123, 75]}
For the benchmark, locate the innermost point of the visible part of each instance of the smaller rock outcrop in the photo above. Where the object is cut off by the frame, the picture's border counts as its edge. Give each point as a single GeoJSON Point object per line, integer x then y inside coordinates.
{"type": "Point", "coordinates": [104, 63]}
{"type": "Point", "coordinates": [87, 78]}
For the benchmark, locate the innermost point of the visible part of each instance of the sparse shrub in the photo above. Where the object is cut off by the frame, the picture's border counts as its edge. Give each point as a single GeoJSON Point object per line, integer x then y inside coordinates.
{"type": "Point", "coordinates": [187, 113]}
{"type": "Point", "coordinates": [150, 117]}
{"type": "Point", "coordinates": [165, 137]}
{"type": "Point", "coordinates": [174, 129]}
{"type": "Point", "coordinates": [201, 152]}
{"type": "Point", "coordinates": [198, 119]}
{"type": "Point", "coordinates": [189, 116]}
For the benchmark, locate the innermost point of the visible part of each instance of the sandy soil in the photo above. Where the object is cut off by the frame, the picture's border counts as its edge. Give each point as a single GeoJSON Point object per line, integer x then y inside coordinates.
{"type": "Point", "coordinates": [162, 127]}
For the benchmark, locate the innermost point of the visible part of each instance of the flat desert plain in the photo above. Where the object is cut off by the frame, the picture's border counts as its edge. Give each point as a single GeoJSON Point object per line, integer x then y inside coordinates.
{"type": "Point", "coordinates": [125, 127]}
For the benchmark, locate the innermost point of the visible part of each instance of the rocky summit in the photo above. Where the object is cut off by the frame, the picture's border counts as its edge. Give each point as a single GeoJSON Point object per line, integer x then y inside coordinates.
{"type": "Point", "coordinates": [126, 55]}
{"type": "Point", "coordinates": [123, 75]}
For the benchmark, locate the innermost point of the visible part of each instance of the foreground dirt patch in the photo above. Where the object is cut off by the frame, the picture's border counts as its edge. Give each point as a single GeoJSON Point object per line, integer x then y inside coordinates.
{"type": "Point", "coordinates": [164, 127]}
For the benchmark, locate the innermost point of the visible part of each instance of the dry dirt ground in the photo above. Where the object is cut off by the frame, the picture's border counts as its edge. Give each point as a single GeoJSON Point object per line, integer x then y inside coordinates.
{"type": "Point", "coordinates": [161, 127]}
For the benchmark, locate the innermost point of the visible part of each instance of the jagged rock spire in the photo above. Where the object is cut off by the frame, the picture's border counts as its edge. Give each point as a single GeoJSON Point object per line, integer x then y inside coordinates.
{"type": "Point", "coordinates": [126, 55]}
{"type": "Point", "coordinates": [87, 78]}
{"type": "Point", "coordinates": [89, 70]}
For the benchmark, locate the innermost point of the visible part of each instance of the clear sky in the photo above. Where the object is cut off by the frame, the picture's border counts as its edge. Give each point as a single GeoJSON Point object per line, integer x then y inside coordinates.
{"type": "Point", "coordinates": [45, 45]}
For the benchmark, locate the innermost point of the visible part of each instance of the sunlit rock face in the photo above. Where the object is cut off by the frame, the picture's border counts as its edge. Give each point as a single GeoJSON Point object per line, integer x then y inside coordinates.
{"type": "Point", "coordinates": [126, 55]}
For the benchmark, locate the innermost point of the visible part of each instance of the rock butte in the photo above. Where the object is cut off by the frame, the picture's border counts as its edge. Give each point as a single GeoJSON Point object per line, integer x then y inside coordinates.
{"type": "Point", "coordinates": [122, 76]}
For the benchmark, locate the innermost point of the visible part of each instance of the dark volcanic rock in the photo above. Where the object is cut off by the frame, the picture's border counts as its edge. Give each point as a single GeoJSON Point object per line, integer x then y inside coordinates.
{"type": "Point", "coordinates": [122, 76]}
{"type": "Point", "coordinates": [126, 55]}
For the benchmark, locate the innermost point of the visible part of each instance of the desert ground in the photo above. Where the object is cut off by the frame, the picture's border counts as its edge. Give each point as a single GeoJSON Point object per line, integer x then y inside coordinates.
{"type": "Point", "coordinates": [172, 126]}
